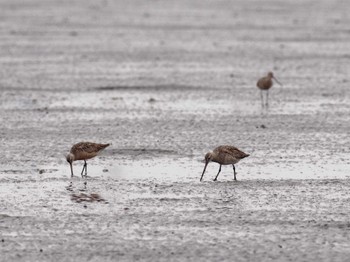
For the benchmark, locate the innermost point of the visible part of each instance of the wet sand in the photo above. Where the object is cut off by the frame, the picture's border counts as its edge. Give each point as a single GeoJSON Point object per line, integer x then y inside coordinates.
{"type": "Point", "coordinates": [165, 82]}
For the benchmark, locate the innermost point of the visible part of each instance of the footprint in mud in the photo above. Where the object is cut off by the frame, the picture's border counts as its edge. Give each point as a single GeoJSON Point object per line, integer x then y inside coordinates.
{"type": "Point", "coordinates": [70, 186]}
{"type": "Point", "coordinates": [85, 187]}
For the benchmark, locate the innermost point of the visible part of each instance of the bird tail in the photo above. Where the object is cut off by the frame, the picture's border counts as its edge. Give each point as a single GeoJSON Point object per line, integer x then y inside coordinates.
{"type": "Point", "coordinates": [102, 146]}
{"type": "Point", "coordinates": [245, 155]}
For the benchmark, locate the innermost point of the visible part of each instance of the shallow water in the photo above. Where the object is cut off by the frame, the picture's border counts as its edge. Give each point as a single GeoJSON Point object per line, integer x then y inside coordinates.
{"type": "Point", "coordinates": [189, 170]}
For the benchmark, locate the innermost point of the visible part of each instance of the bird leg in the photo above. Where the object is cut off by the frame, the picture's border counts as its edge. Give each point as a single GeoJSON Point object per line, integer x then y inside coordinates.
{"type": "Point", "coordinates": [84, 168]}
{"type": "Point", "coordinates": [262, 98]}
{"type": "Point", "coordinates": [234, 172]}
{"type": "Point", "coordinates": [82, 171]}
{"type": "Point", "coordinates": [216, 178]}
{"type": "Point", "coordinates": [267, 98]}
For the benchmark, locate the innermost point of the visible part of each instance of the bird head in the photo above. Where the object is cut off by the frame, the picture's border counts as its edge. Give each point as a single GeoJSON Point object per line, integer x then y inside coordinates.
{"type": "Point", "coordinates": [70, 158]}
{"type": "Point", "coordinates": [208, 157]}
{"type": "Point", "coordinates": [270, 75]}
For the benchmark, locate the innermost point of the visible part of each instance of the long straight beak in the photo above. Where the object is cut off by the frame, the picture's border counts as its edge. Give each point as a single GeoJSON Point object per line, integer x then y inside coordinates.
{"type": "Point", "coordinates": [277, 81]}
{"type": "Point", "coordinates": [71, 168]}
{"type": "Point", "coordinates": [205, 167]}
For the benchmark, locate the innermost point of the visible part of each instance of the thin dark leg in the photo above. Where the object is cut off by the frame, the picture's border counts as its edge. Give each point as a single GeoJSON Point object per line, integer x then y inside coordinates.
{"type": "Point", "coordinates": [84, 168]}
{"type": "Point", "coordinates": [82, 171]}
{"type": "Point", "coordinates": [216, 178]}
{"type": "Point", "coordinates": [262, 98]}
{"type": "Point", "coordinates": [234, 172]}
{"type": "Point", "coordinates": [267, 98]}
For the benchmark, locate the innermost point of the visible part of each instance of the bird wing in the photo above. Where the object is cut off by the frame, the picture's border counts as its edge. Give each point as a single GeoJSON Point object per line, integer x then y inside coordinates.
{"type": "Point", "coordinates": [88, 147]}
{"type": "Point", "coordinates": [264, 83]}
{"type": "Point", "coordinates": [232, 151]}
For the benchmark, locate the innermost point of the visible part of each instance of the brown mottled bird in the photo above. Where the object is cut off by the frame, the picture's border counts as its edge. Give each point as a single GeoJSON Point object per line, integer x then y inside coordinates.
{"type": "Point", "coordinates": [224, 155]}
{"type": "Point", "coordinates": [84, 151]}
{"type": "Point", "coordinates": [264, 84]}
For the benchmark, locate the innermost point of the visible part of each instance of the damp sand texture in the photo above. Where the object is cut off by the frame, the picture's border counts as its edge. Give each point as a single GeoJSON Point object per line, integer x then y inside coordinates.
{"type": "Point", "coordinates": [165, 82]}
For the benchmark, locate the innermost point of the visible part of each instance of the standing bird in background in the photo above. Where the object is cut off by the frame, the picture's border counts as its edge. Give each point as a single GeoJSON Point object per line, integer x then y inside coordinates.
{"type": "Point", "coordinates": [84, 151]}
{"type": "Point", "coordinates": [224, 155]}
{"type": "Point", "coordinates": [264, 84]}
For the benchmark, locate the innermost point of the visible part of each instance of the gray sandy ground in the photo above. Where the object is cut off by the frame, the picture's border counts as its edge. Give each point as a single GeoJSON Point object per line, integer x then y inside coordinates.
{"type": "Point", "coordinates": [165, 82]}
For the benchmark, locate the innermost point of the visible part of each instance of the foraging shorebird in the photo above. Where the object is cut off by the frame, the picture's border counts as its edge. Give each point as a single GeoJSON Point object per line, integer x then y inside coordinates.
{"type": "Point", "coordinates": [84, 151]}
{"type": "Point", "coordinates": [224, 155]}
{"type": "Point", "coordinates": [264, 84]}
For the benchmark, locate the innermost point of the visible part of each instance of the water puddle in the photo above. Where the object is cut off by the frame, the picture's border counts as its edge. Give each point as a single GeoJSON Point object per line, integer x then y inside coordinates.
{"type": "Point", "coordinates": [187, 169]}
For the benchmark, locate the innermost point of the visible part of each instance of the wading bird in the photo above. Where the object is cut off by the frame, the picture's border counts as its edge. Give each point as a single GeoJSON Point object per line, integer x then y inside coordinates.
{"type": "Point", "coordinates": [224, 155]}
{"type": "Point", "coordinates": [84, 151]}
{"type": "Point", "coordinates": [264, 84]}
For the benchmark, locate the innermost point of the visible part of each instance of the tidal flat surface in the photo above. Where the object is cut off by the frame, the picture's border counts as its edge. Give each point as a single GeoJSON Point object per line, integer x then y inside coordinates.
{"type": "Point", "coordinates": [165, 82]}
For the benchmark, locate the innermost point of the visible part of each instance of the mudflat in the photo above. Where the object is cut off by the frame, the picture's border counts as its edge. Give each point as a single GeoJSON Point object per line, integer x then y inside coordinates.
{"type": "Point", "coordinates": [165, 82]}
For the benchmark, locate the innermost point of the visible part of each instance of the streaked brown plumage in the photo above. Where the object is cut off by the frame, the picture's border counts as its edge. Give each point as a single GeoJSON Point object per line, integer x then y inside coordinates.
{"type": "Point", "coordinates": [224, 155]}
{"type": "Point", "coordinates": [264, 84]}
{"type": "Point", "coordinates": [84, 151]}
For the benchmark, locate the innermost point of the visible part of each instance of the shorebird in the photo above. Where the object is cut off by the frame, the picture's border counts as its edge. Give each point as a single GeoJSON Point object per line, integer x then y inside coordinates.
{"type": "Point", "coordinates": [264, 84]}
{"type": "Point", "coordinates": [84, 151]}
{"type": "Point", "coordinates": [224, 155]}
